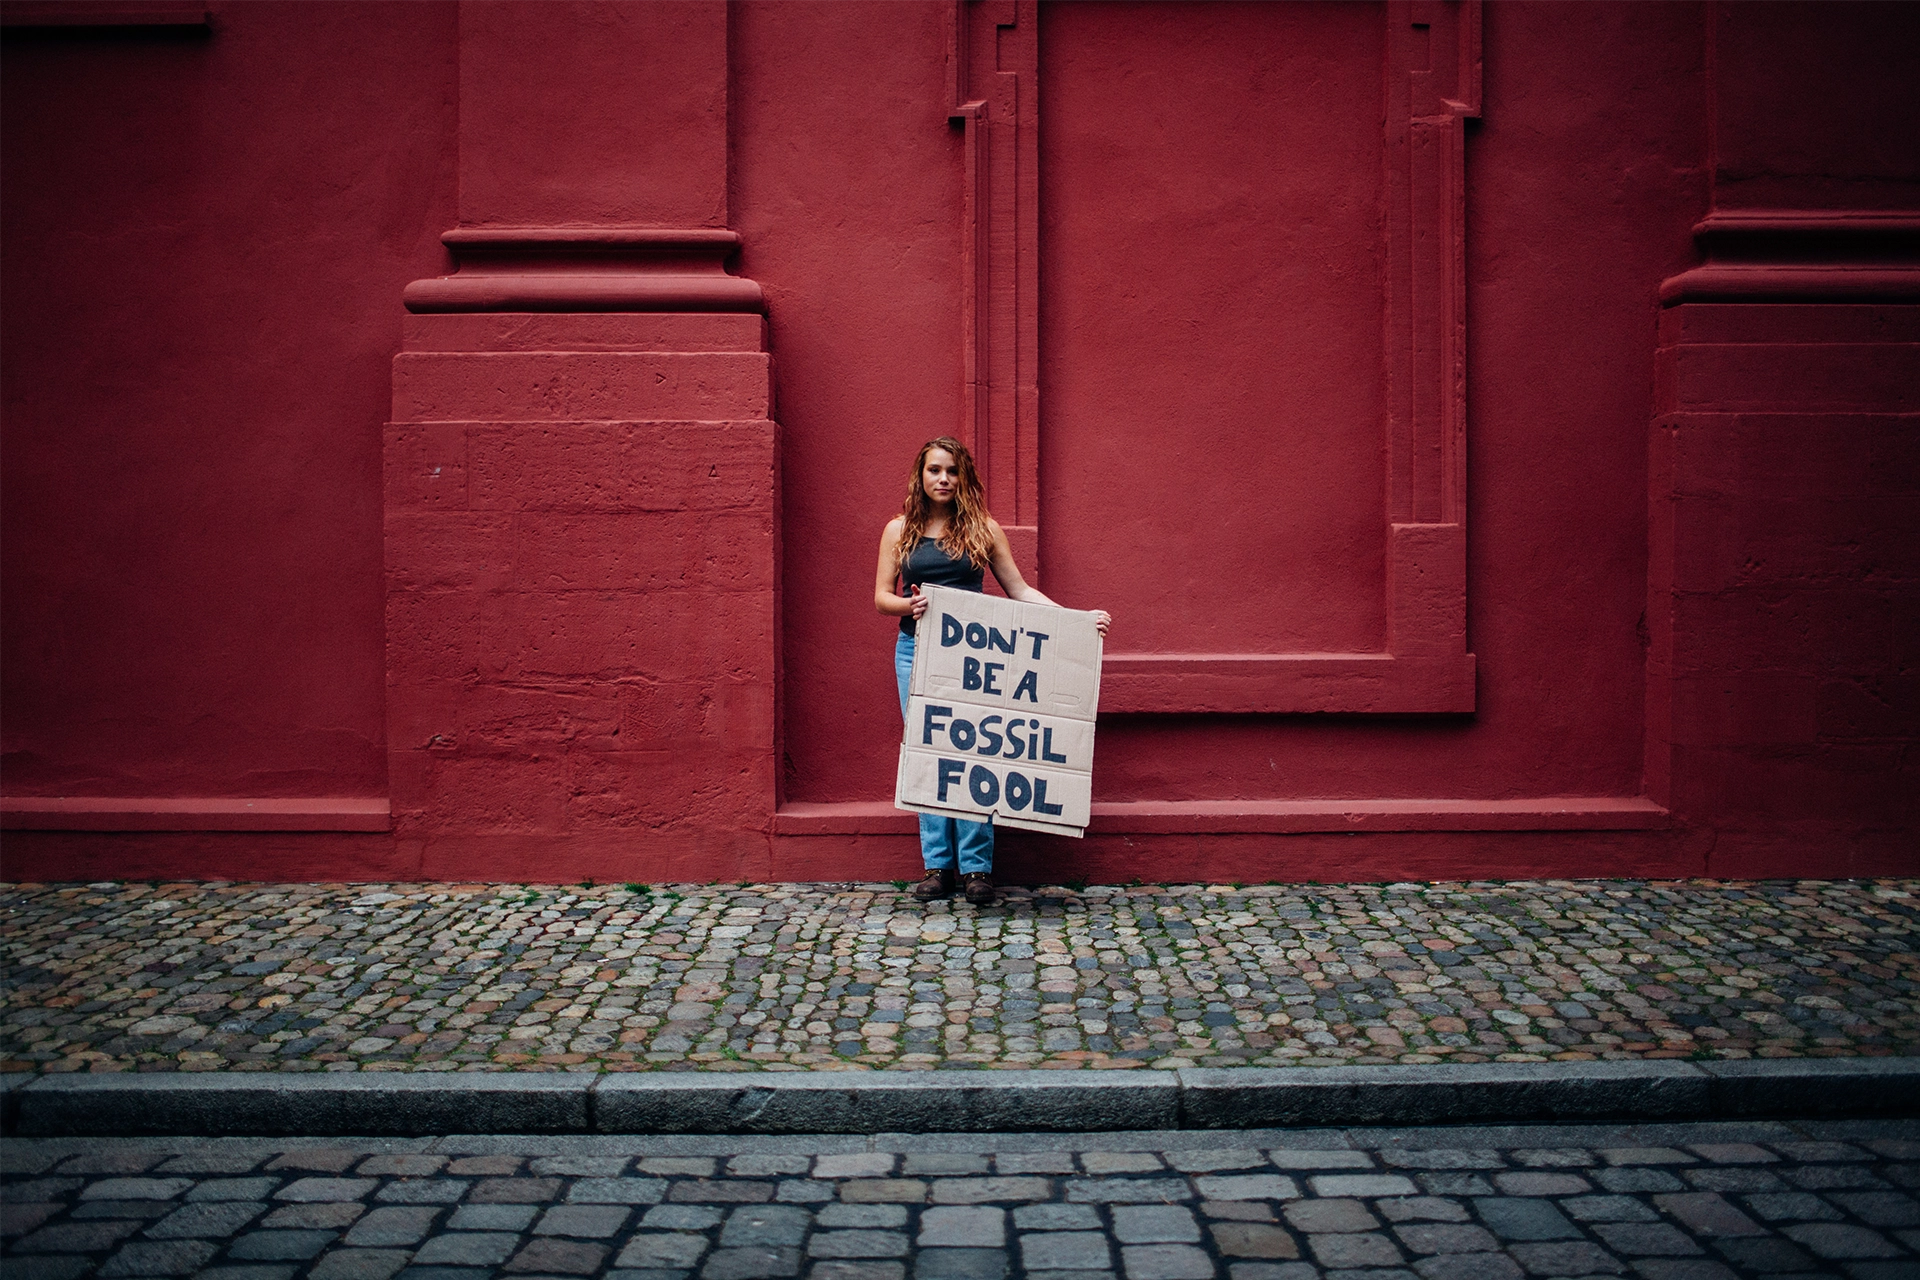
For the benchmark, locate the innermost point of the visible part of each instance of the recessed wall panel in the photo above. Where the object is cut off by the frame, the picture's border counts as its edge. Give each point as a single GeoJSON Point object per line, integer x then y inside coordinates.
{"type": "Point", "coordinates": [1210, 323]}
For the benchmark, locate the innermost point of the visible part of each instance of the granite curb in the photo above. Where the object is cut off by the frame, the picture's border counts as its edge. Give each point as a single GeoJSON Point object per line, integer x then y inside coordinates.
{"type": "Point", "coordinates": [395, 1104]}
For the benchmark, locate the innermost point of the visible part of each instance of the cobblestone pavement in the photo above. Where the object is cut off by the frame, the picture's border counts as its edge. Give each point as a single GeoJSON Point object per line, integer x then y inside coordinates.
{"type": "Point", "coordinates": [255, 977]}
{"type": "Point", "coordinates": [1670, 1202]}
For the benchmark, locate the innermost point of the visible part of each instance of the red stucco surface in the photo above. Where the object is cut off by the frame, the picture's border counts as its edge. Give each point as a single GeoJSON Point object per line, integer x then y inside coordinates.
{"type": "Point", "coordinates": [1467, 504]}
{"type": "Point", "coordinates": [1207, 328]}
{"type": "Point", "coordinates": [204, 239]}
{"type": "Point", "coordinates": [1213, 395]}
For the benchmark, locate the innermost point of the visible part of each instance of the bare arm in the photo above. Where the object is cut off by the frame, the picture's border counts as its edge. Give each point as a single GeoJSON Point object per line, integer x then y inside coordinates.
{"type": "Point", "coordinates": [888, 571]}
{"type": "Point", "coordinates": [1008, 575]}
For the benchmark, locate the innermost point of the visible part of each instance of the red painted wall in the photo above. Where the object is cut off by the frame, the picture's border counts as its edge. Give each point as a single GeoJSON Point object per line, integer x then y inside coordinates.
{"type": "Point", "coordinates": [853, 237]}
{"type": "Point", "coordinates": [205, 235]}
{"type": "Point", "coordinates": [580, 570]}
{"type": "Point", "coordinates": [1785, 484]}
{"type": "Point", "coordinates": [1171, 250]}
{"type": "Point", "coordinates": [1211, 327]}
{"type": "Point", "coordinates": [1211, 393]}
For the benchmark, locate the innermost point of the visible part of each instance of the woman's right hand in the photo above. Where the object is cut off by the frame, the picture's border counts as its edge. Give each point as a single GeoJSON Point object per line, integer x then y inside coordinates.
{"type": "Point", "coordinates": [919, 603]}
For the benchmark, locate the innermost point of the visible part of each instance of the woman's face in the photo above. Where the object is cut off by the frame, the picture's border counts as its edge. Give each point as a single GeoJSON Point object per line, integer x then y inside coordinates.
{"type": "Point", "coordinates": [940, 476]}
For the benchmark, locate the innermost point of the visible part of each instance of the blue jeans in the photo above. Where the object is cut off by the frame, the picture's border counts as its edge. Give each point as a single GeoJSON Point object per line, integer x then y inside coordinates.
{"type": "Point", "coordinates": [940, 837]}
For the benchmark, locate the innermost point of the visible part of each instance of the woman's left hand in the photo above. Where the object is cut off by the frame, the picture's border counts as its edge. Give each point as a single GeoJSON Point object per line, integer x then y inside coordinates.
{"type": "Point", "coordinates": [1102, 619]}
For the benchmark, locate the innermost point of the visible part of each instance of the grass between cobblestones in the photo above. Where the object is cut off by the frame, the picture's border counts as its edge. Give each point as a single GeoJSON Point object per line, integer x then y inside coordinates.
{"type": "Point", "coordinates": [785, 977]}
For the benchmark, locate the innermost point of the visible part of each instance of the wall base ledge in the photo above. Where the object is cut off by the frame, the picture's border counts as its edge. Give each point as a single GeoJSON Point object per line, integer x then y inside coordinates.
{"type": "Point", "coordinates": [194, 813]}
{"type": "Point", "coordinates": [1202, 817]}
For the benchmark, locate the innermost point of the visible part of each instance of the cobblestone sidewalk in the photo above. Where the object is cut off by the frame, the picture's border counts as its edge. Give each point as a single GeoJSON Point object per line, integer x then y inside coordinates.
{"type": "Point", "coordinates": [1669, 1202]}
{"type": "Point", "coordinates": [258, 977]}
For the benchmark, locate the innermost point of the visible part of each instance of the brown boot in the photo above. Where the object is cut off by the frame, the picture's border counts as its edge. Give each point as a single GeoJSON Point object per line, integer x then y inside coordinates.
{"type": "Point", "coordinates": [979, 888]}
{"type": "Point", "coordinates": [938, 884]}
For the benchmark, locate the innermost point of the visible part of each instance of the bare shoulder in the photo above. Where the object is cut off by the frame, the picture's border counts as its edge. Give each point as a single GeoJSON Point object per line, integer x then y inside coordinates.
{"type": "Point", "coordinates": [890, 538]}
{"type": "Point", "coordinates": [993, 528]}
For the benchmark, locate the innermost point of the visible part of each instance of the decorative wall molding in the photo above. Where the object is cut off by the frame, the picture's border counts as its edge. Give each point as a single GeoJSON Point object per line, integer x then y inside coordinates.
{"type": "Point", "coordinates": [1433, 71]}
{"type": "Point", "coordinates": [194, 813]}
{"type": "Point", "coordinates": [1229, 683]}
{"type": "Point", "coordinates": [43, 15]}
{"type": "Point", "coordinates": [1802, 255]}
{"type": "Point", "coordinates": [1278, 817]}
{"type": "Point", "coordinates": [587, 269]}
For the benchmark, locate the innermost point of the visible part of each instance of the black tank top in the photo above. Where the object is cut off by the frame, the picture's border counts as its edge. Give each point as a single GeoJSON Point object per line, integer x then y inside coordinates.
{"type": "Point", "coordinates": [930, 563]}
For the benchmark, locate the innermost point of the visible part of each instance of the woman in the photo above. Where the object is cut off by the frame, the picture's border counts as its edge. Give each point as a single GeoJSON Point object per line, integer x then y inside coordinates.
{"type": "Point", "coordinates": [945, 536]}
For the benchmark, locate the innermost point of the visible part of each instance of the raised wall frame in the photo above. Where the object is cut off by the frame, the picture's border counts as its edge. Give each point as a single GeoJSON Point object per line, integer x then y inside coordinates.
{"type": "Point", "coordinates": [1433, 77]}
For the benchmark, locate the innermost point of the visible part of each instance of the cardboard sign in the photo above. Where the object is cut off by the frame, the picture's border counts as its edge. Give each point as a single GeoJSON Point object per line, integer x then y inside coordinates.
{"type": "Point", "coordinates": [1000, 712]}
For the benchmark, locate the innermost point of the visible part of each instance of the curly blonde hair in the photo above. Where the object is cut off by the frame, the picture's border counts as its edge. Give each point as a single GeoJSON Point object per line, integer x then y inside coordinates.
{"type": "Point", "coordinates": [969, 530]}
